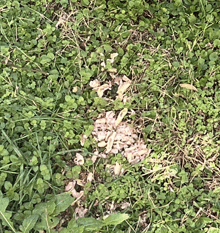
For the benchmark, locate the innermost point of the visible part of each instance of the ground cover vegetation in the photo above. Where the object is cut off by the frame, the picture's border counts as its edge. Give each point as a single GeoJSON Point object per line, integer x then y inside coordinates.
{"type": "Point", "coordinates": [52, 54]}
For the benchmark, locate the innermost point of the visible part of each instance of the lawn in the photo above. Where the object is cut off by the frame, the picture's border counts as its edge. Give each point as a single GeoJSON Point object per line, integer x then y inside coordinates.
{"type": "Point", "coordinates": [109, 116]}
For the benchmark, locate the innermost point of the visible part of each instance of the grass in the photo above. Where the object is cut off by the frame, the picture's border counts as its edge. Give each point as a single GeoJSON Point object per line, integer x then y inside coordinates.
{"type": "Point", "coordinates": [163, 57]}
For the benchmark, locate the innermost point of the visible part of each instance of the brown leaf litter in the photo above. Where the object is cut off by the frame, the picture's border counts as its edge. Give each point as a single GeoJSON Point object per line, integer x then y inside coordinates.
{"type": "Point", "coordinates": [122, 82]}
{"type": "Point", "coordinates": [118, 137]}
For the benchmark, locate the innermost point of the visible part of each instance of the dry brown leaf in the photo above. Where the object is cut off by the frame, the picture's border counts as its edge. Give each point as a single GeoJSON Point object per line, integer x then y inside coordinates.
{"type": "Point", "coordinates": [80, 212]}
{"type": "Point", "coordinates": [117, 80]}
{"type": "Point", "coordinates": [102, 144]}
{"type": "Point", "coordinates": [125, 205]}
{"type": "Point", "coordinates": [114, 151]}
{"type": "Point", "coordinates": [131, 148]}
{"type": "Point", "coordinates": [79, 160]}
{"type": "Point", "coordinates": [74, 90]}
{"type": "Point", "coordinates": [83, 139]}
{"type": "Point", "coordinates": [96, 203]}
{"type": "Point", "coordinates": [113, 56]}
{"type": "Point", "coordinates": [60, 21]}
{"type": "Point", "coordinates": [129, 157]}
{"type": "Point", "coordinates": [119, 136]}
{"type": "Point", "coordinates": [101, 121]}
{"type": "Point", "coordinates": [95, 83]}
{"type": "Point", "coordinates": [101, 89]}
{"type": "Point", "coordinates": [126, 79]}
{"type": "Point", "coordinates": [103, 64]}
{"type": "Point", "coordinates": [110, 142]}
{"type": "Point", "coordinates": [103, 155]}
{"type": "Point", "coordinates": [94, 157]}
{"type": "Point", "coordinates": [71, 187]}
{"type": "Point", "coordinates": [126, 99]}
{"type": "Point", "coordinates": [112, 70]}
{"type": "Point", "coordinates": [121, 116]}
{"type": "Point", "coordinates": [101, 135]}
{"type": "Point", "coordinates": [80, 182]}
{"type": "Point", "coordinates": [118, 170]}
{"type": "Point", "coordinates": [110, 114]}
{"type": "Point", "coordinates": [90, 177]}
{"type": "Point", "coordinates": [142, 152]}
{"type": "Point", "coordinates": [188, 86]}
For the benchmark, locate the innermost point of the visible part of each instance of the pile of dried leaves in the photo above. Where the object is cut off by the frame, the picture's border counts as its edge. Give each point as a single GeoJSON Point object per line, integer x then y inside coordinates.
{"type": "Point", "coordinates": [118, 137]}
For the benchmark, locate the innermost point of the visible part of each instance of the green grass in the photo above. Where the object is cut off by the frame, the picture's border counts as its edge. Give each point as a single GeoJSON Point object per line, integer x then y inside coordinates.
{"type": "Point", "coordinates": [49, 53]}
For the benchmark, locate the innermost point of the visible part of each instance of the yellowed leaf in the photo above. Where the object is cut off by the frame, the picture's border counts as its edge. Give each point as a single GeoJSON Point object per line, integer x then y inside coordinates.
{"type": "Point", "coordinates": [122, 88]}
{"type": "Point", "coordinates": [110, 142]}
{"type": "Point", "coordinates": [121, 116]}
{"type": "Point", "coordinates": [188, 86]}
